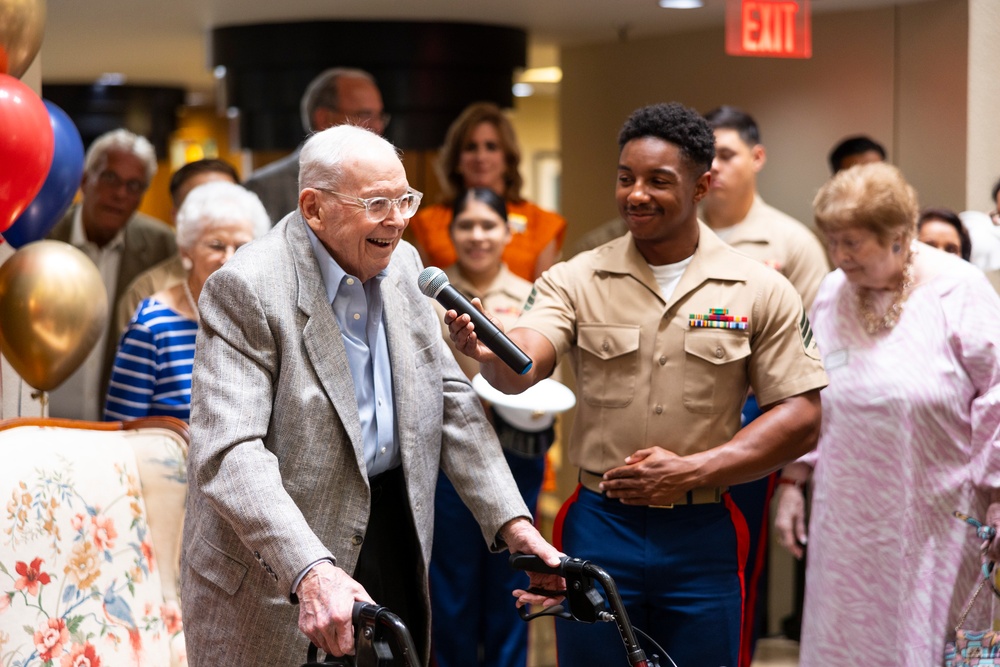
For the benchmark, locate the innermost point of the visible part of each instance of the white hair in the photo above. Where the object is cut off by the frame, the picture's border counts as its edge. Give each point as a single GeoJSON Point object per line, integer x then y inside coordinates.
{"type": "Point", "coordinates": [218, 203]}
{"type": "Point", "coordinates": [323, 92]}
{"type": "Point", "coordinates": [321, 161]}
{"type": "Point", "coordinates": [124, 141]}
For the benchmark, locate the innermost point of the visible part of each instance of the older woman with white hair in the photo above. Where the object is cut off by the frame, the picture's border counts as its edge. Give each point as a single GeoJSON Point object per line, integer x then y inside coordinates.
{"type": "Point", "coordinates": [152, 371]}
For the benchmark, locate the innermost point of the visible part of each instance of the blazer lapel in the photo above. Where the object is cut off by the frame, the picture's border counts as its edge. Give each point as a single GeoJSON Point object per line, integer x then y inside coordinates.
{"type": "Point", "coordinates": [321, 336]}
{"type": "Point", "coordinates": [395, 307]}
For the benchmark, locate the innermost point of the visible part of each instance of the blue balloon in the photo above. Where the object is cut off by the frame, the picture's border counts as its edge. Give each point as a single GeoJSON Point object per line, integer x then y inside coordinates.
{"type": "Point", "coordinates": [60, 185]}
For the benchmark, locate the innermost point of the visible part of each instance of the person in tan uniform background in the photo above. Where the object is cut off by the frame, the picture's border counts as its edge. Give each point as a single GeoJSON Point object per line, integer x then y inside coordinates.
{"type": "Point", "coordinates": [666, 328]}
{"type": "Point", "coordinates": [739, 216]}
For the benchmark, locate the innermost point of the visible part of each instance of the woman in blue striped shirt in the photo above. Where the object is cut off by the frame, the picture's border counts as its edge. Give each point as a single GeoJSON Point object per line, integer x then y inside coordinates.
{"type": "Point", "coordinates": [152, 371]}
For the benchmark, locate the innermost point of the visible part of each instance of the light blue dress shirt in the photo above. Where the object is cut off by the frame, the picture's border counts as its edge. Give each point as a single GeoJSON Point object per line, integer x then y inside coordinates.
{"type": "Point", "coordinates": [357, 308]}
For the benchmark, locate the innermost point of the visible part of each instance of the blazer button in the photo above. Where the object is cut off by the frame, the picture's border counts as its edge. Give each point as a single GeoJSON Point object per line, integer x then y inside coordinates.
{"type": "Point", "coordinates": [357, 540]}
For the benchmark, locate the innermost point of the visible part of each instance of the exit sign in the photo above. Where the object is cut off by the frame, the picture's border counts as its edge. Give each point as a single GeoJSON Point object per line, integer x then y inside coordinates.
{"type": "Point", "coordinates": [768, 28]}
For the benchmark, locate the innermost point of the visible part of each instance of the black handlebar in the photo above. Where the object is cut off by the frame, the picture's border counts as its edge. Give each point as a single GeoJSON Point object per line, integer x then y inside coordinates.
{"type": "Point", "coordinates": [583, 602]}
{"type": "Point", "coordinates": [381, 639]}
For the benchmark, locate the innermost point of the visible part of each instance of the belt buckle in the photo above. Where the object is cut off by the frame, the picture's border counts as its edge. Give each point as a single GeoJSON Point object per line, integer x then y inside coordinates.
{"type": "Point", "coordinates": [663, 507]}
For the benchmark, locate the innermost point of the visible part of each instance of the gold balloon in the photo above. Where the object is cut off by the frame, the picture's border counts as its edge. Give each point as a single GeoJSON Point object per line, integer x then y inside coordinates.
{"type": "Point", "coordinates": [22, 24]}
{"type": "Point", "coordinates": [53, 308]}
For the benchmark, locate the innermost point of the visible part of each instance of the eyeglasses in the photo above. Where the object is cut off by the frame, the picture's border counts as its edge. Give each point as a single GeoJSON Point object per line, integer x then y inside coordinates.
{"type": "Point", "coordinates": [379, 208]}
{"type": "Point", "coordinates": [219, 248]}
{"type": "Point", "coordinates": [110, 179]}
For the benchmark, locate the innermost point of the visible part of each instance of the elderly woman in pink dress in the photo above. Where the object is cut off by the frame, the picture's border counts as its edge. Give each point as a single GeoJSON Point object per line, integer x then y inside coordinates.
{"type": "Point", "coordinates": [910, 338]}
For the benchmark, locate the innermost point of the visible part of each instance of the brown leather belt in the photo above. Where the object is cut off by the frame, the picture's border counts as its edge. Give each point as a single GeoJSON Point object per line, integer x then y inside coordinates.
{"type": "Point", "coordinates": [701, 496]}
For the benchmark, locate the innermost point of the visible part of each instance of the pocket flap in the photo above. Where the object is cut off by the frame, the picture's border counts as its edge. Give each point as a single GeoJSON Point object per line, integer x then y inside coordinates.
{"type": "Point", "coordinates": [217, 566]}
{"type": "Point", "coordinates": [717, 347]}
{"type": "Point", "coordinates": [607, 341]}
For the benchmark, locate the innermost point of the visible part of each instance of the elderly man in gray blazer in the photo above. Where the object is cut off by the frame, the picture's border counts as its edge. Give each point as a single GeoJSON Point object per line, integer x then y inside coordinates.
{"type": "Point", "coordinates": [318, 431]}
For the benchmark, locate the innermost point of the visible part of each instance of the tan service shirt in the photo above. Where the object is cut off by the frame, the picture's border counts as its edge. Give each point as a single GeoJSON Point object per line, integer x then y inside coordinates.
{"type": "Point", "coordinates": [645, 376]}
{"type": "Point", "coordinates": [783, 243]}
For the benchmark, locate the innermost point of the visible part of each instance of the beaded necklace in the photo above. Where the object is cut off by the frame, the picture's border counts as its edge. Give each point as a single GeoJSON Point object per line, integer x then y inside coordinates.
{"type": "Point", "coordinates": [874, 322]}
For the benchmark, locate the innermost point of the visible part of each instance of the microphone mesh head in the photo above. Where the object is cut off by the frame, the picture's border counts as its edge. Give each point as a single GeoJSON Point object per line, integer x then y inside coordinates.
{"type": "Point", "coordinates": [431, 280]}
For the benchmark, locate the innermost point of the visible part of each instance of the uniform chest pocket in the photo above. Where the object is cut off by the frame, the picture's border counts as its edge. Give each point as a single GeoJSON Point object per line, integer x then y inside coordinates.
{"type": "Point", "coordinates": [715, 372]}
{"type": "Point", "coordinates": [609, 363]}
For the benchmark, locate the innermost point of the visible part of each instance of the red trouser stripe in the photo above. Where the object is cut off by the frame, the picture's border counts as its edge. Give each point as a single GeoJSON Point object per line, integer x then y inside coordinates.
{"type": "Point", "coordinates": [742, 550]}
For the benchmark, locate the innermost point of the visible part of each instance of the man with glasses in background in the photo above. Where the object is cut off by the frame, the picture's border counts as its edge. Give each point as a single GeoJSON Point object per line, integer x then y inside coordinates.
{"type": "Point", "coordinates": [338, 96]}
{"type": "Point", "coordinates": [324, 404]}
{"type": "Point", "coordinates": [122, 243]}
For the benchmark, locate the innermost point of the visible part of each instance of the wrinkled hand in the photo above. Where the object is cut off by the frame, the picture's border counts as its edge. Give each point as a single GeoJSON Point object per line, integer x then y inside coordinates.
{"type": "Point", "coordinates": [651, 476]}
{"type": "Point", "coordinates": [521, 536]}
{"type": "Point", "coordinates": [326, 602]}
{"type": "Point", "coordinates": [790, 519]}
{"type": "Point", "coordinates": [463, 334]}
{"type": "Point", "coordinates": [991, 548]}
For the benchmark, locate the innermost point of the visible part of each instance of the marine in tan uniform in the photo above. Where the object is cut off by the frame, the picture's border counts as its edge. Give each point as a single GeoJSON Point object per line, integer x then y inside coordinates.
{"type": "Point", "coordinates": [740, 217]}
{"type": "Point", "coordinates": [666, 328]}
{"type": "Point", "coordinates": [738, 214]}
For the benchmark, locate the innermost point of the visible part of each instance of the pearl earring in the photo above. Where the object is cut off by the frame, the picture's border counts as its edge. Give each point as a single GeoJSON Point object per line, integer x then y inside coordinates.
{"type": "Point", "coordinates": [187, 263]}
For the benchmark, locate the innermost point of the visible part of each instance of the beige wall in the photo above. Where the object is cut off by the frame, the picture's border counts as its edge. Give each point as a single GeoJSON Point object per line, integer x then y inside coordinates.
{"type": "Point", "coordinates": [983, 161]}
{"type": "Point", "coordinates": [897, 74]}
{"type": "Point", "coordinates": [536, 123]}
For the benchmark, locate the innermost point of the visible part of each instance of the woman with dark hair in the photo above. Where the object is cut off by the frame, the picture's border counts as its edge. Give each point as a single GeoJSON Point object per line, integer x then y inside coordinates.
{"type": "Point", "coordinates": [941, 228]}
{"type": "Point", "coordinates": [481, 151]}
{"type": "Point", "coordinates": [470, 587]}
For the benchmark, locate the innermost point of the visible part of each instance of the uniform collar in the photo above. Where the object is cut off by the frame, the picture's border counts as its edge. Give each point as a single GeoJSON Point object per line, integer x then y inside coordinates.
{"type": "Point", "coordinates": [713, 260]}
{"type": "Point", "coordinates": [500, 285]}
{"type": "Point", "coordinates": [752, 228]}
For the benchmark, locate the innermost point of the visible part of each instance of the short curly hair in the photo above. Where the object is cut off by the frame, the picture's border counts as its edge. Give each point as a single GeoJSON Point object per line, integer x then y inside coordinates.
{"type": "Point", "coordinates": [676, 124]}
{"type": "Point", "coordinates": [871, 196]}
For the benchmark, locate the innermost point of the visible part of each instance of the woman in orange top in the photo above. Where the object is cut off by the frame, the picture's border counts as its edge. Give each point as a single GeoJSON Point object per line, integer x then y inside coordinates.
{"type": "Point", "coordinates": [480, 150]}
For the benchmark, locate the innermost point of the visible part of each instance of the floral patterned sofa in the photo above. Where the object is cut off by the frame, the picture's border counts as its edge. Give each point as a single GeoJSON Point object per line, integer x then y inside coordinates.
{"type": "Point", "coordinates": [90, 536]}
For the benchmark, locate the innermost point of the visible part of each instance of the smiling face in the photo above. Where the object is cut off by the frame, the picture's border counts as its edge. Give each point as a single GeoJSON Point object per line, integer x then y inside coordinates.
{"type": "Point", "coordinates": [657, 194]}
{"type": "Point", "coordinates": [361, 247]}
{"type": "Point", "coordinates": [214, 248]}
{"type": "Point", "coordinates": [481, 162]}
{"type": "Point", "coordinates": [480, 236]}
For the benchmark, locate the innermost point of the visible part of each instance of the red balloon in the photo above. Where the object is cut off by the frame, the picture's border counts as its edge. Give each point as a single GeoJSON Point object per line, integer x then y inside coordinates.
{"type": "Point", "coordinates": [26, 145]}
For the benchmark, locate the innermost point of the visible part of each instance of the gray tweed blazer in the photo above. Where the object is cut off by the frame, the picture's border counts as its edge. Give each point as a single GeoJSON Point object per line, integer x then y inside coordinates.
{"type": "Point", "coordinates": [276, 467]}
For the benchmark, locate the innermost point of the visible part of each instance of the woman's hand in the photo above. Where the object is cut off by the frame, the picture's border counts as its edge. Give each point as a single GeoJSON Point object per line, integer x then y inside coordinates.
{"type": "Point", "coordinates": [991, 547]}
{"type": "Point", "coordinates": [790, 518]}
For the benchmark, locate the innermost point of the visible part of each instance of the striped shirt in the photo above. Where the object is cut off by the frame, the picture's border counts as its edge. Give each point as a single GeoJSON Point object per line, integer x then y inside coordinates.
{"type": "Point", "coordinates": [152, 371]}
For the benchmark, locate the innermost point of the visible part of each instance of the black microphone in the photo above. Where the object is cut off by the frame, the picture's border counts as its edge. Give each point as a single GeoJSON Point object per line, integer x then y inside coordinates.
{"type": "Point", "coordinates": [434, 283]}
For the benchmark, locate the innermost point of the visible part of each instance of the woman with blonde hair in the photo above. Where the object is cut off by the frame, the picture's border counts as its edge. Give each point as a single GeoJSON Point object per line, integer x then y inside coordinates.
{"type": "Point", "coordinates": [481, 151]}
{"type": "Point", "coordinates": [911, 423]}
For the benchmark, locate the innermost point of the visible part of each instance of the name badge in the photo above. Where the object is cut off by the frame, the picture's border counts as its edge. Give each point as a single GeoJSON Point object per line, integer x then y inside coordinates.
{"type": "Point", "coordinates": [835, 359]}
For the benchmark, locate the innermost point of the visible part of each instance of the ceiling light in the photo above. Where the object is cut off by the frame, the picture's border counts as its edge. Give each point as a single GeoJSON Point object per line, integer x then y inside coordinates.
{"type": "Point", "coordinates": [541, 75]}
{"type": "Point", "coordinates": [681, 4]}
{"type": "Point", "coordinates": [111, 79]}
{"type": "Point", "coordinates": [523, 90]}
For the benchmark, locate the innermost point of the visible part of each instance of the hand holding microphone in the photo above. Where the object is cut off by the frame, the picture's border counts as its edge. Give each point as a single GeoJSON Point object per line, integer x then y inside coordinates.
{"type": "Point", "coordinates": [434, 283]}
